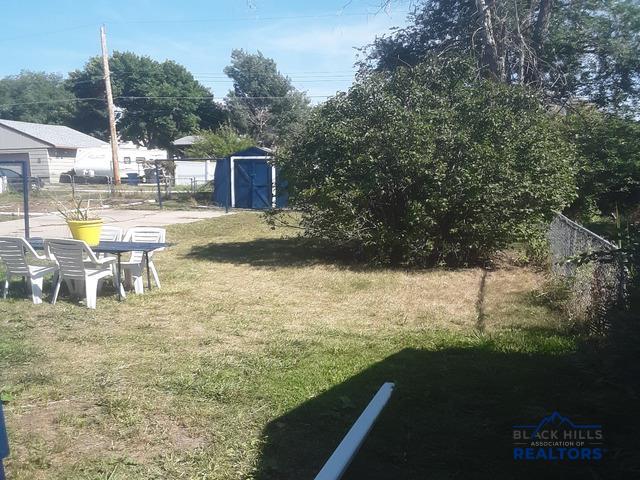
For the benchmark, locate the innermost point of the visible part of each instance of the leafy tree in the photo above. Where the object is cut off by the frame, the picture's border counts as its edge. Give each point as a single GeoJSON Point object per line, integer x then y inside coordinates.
{"type": "Point", "coordinates": [219, 143]}
{"type": "Point", "coordinates": [608, 155]}
{"type": "Point", "coordinates": [263, 102]}
{"type": "Point", "coordinates": [35, 97]}
{"type": "Point", "coordinates": [156, 101]}
{"type": "Point", "coordinates": [584, 48]}
{"type": "Point", "coordinates": [427, 165]}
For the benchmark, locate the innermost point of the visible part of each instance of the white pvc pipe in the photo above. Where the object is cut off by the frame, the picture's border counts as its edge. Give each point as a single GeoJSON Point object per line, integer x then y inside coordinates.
{"type": "Point", "coordinates": [274, 198]}
{"type": "Point", "coordinates": [350, 444]}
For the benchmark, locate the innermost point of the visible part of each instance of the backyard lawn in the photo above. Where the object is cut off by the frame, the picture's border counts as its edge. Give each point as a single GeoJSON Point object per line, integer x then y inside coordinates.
{"type": "Point", "coordinates": [258, 353]}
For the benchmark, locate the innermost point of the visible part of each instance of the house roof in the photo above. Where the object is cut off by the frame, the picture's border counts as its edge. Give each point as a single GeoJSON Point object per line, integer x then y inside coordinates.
{"type": "Point", "coordinates": [57, 136]}
{"type": "Point", "coordinates": [186, 141]}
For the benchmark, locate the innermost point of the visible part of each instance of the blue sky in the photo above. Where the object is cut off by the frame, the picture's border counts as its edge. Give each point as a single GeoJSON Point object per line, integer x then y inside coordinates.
{"type": "Point", "coordinates": [312, 42]}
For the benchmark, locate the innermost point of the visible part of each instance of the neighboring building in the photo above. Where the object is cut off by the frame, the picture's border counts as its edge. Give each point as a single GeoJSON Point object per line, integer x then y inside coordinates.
{"type": "Point", "coordinates": [55, 150]}
{"type": "Point", "coordinates": [51, 149]}
{"type": "Point", "coordinates": [188, 171]}
{"type": "Point", "coordinates": [181, 144]}
{"type": "Point", "coordinates": [193, 172]}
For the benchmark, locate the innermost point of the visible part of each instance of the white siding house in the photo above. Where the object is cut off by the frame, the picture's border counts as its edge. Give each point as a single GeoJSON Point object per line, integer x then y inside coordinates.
{"type": "Point", "coordinates": [52, 149]}
{"type": "Point", "coordinates": [194, 172]}
{"type": "Point", "coordinates": [189, 171]}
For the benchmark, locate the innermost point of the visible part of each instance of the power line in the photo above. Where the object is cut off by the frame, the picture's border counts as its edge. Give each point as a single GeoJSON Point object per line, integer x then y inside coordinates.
{"type": "Point", "coordinates": [180, 97]}
{"type": "Point", "coordinates": [65, 100]}
{"type": "Point", "coordinates": [152, 97]}
{"type": "Point", "coordinates": [218, 80]}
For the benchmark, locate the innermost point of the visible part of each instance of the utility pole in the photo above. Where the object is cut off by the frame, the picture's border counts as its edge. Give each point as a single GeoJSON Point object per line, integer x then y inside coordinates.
{"type": "Point", "coordinates": [112, 115]}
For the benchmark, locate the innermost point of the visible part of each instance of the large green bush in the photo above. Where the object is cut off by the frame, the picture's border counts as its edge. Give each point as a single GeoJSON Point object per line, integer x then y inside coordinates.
{"type": "Point", "coordinates": [428, 165]}
{"type": "Point", "coordinates": [608, 160]}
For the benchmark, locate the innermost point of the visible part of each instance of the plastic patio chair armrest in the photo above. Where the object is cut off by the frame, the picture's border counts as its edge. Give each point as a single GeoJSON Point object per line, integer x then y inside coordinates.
{"type": "Point", "coordinates": [105, 260]}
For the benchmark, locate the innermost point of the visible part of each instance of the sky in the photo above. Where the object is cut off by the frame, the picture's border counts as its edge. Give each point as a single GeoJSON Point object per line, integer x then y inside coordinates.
{"type": "Point", "coordinates": [313, 42]}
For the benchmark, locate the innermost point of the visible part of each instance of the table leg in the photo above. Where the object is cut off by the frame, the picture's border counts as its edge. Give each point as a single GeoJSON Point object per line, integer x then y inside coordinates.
{"type": "Point", "coordinates": [119, 277]}
{"type": "Point", "coordinates": [146, 258]}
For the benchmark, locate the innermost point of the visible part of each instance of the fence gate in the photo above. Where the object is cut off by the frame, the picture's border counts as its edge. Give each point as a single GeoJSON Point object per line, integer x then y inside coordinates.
{"type": "Point", "coordinates": [253, 184]}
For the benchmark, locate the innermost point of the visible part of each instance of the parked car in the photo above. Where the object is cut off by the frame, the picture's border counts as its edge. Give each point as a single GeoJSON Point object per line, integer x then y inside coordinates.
{"type": "Point", "coordinates": [14, 179]}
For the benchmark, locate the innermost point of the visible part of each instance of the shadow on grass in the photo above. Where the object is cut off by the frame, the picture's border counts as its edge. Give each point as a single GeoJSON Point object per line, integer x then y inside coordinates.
{"type": "Point", "coordinates": [286, 253]}
{"type": "Point", "coordinates": [269, 252]}
{"type": "Point", "coordinates": [451, 416]}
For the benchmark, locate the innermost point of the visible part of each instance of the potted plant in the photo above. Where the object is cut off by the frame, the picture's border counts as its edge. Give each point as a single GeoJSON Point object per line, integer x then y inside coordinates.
{"type": "Point", "coordinates": [82, 223]}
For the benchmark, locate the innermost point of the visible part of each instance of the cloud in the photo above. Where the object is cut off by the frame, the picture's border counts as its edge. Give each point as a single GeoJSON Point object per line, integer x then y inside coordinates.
{"type": "Point", "coordinates": [337, 40]}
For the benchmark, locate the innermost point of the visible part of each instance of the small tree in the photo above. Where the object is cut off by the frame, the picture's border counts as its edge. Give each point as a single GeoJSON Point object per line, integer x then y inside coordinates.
{"type": "Point", "coordinates": [219, 143]}
{"type": "Point", "coordinates": [428, 165]}
{"type": "Point", "coordinates": [263, 102]}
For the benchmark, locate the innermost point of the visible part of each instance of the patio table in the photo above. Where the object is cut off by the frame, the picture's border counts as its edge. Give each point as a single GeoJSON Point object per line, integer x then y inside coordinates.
{"type": "Point", "coordinates": [116, 248]}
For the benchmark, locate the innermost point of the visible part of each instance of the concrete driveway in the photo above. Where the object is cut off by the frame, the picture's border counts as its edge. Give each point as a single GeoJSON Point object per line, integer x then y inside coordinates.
{"type": "Point", "coordinates": [52, 225]}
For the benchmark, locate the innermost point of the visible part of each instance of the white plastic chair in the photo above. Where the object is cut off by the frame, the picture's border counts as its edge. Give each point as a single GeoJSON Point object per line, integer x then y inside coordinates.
{"type": "Point", "coordinates": [79, 267]}
{"type": "Point", "coordinates": [13, 252]}
{"type": "Point", "coordinates": [111, 233]}
{"type": "Point", "coordinates": [134, 267]}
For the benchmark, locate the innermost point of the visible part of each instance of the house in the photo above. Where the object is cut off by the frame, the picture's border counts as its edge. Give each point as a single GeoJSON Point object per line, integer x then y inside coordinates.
{"type": "Point", "coordinates": [194, 172]}
{"type": "Point", "coordinates": [181, 145]}
{"type": "Point", "coordinates": [190, 171]}
{"type": "Point", "coordinates": [56, 150]}
{"type": "Point", "coordinates": [248, 179]}
{"type": "Point", "coordinates": [50, 149]}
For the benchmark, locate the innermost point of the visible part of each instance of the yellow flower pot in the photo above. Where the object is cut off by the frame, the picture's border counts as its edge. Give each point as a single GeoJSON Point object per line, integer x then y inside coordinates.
{"type": "Point", "coordinates": [87, 230]}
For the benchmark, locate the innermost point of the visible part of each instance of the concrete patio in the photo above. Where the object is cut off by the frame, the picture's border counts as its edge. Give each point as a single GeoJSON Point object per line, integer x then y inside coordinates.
{"type": "Point", "coordinates": [53, 225]}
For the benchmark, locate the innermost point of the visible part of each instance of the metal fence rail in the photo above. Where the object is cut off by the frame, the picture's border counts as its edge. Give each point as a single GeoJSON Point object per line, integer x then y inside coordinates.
{"type": "Point", "coordinates": [595, 287]}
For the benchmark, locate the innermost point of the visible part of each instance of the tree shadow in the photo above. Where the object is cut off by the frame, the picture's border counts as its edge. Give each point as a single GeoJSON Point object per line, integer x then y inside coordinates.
{"type": "Point", "coordinates": [288, 252]}
{"type": "Point", "coordinates": [451, 416]}
{"type": "Point", "coordinates": [264, 252]}
{"type": "Point", "coordinates": [279, 253]}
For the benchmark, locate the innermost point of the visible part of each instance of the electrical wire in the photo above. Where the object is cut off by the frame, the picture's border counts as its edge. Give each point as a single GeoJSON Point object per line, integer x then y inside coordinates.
{"type": "Point", "coordinates": [152, 97]}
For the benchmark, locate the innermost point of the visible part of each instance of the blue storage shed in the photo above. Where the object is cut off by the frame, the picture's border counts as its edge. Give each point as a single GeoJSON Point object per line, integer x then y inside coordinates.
{"type": "Point", "coordinates": [248, 179]}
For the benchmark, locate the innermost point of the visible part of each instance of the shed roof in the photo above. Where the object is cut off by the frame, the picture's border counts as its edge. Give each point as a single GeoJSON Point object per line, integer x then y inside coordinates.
{"type": "Point", "coordinates": [186, 141]}
{"type": "Point", "coordinates": [57, 136]}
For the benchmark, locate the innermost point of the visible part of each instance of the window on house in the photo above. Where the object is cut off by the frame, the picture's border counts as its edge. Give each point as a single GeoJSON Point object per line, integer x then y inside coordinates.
{"type": "Point", "coordinates": [140, 159]}
{"type": "Point", "coordinates": [127, 160]}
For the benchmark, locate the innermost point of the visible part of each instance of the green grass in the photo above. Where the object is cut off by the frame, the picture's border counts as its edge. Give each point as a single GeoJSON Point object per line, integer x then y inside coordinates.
{"type": "Point", "coordinates": [259, 352]}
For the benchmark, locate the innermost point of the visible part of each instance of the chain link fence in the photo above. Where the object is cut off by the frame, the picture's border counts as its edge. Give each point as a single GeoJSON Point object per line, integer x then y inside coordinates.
{"type": "Point", "coordinates": [595, 287]}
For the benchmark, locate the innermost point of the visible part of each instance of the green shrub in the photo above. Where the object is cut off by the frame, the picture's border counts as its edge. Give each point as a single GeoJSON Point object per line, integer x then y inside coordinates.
{"type": "Point", "coordinates": [608, 160]}
{"type": "Point", "coordinates": [428, 165]}
{"type": "Point", "coordinates": [219, 143]}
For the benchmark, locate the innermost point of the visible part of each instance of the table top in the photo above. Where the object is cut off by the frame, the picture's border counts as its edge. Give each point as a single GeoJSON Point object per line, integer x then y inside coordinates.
{"type": "Point", "coordinates": [110, 247]}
